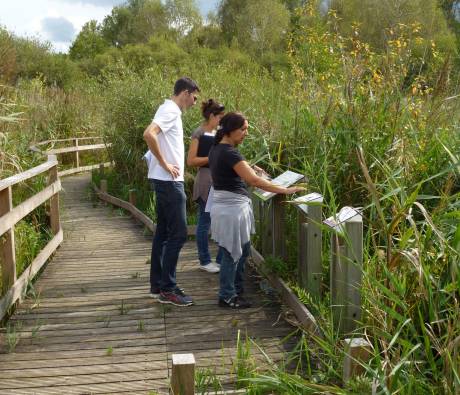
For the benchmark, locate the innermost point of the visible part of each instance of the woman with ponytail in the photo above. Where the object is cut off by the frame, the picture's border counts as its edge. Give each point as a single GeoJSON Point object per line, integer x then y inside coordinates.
{"type": "Point", "coordinates": [202, 140]}
{"type": "Point", "coordinates": [232, 219]}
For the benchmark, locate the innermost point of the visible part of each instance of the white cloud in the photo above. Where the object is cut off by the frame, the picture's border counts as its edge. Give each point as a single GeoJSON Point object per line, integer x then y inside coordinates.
{"type": "Point", "coordinates": [58, 29]}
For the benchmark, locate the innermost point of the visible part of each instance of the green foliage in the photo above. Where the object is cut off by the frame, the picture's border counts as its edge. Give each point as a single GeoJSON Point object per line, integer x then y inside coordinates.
{"type": "Point", "coordinates": [88, 43]}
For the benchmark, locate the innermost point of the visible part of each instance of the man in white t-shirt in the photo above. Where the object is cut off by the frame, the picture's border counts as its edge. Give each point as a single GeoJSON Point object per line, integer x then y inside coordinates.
{"type": "Point", "coordinates": [165, 139]}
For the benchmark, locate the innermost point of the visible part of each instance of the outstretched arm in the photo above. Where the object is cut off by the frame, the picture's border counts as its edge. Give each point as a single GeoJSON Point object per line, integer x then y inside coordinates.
{"type": "Point", "coordinates": [245, 171]}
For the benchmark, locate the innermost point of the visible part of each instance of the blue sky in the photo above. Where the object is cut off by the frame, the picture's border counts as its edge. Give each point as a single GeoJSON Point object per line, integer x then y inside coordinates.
{"type": "Point", "coordinates": [59, 21]}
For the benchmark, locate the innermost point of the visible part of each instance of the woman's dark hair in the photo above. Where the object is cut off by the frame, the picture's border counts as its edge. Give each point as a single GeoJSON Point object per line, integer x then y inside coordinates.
{"type": "Point", "coordinates": [229, 122]}
{"type": "Point", "coordinates": [211, 107]}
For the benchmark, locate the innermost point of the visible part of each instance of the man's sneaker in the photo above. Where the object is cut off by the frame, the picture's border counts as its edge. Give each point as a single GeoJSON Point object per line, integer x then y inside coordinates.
{"type": "Point", "coordinates": [210, 268]}
{"type": "Point", "coordinates": [155, 293]}
{"type": "Point", "coordinates": [176, 297]}
{"type": "Point", "coordinates": [235, 302]}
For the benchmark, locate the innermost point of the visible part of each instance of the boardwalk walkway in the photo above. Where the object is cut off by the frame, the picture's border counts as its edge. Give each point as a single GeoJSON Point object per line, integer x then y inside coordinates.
{"type": "Point", "coordinates": [90, 327]}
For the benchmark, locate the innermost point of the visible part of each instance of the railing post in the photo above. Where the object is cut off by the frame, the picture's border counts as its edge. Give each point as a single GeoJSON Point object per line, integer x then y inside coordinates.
{"type": "Point", "coordinates": [346, 268]}
{"type": "Point", "coordinates": [7, 251]}
{"type": "Point", "coordinates": [183, 374]}
{"type": "Point", "coordinates": [77, 154]}
{"type": "Point", "coordinates": [309, 258]}
{"type": "Point", "coordinates": [132, 197]}
{"type": "Point", "coordinates": [104, 186]}
{"type": "Point", "coordinates": [54, 201]}
{"type": "Point", "coordinates": [279, 231]}
{"type": "Point", "coordinates": [266, 228]}
{"type": "Point", "coordinates": [101, 170]}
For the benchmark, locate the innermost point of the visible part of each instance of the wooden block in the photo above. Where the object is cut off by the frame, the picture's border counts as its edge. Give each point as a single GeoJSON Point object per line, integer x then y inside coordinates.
{"type": "Point", "coordinates": [356, 350]}
{"type": "Point", "coordinates": [183, 374]}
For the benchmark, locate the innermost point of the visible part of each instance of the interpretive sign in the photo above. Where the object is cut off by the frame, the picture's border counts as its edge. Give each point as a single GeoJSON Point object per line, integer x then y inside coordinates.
{"type": "Point", "coordinates": [311, 199]}
{"type": "Point", "coordinates": [344, 215]}
{"type": "Point", "coordinates": [286, 179]}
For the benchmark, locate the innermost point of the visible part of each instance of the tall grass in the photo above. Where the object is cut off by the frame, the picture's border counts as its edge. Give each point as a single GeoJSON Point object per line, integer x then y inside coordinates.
{"type": "Point", "coordinates": [375, 130]}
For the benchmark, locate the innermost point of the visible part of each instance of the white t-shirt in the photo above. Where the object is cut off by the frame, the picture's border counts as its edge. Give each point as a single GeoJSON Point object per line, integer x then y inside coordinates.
{"type": "Point", "coordinates": [171, 141]}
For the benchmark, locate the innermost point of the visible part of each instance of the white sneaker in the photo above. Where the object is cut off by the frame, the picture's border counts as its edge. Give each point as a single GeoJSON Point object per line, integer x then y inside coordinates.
{"type": "Point", "coordinates": [211, 267]}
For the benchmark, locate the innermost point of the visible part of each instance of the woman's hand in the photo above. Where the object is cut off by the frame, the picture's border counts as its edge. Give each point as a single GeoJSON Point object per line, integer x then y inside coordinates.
{"type": "Point", "coordinates": [294, 189]}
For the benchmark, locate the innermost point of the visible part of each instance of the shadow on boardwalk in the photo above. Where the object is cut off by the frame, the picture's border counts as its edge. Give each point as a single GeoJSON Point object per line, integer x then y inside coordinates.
{"type": "Point", "coordinates": [91, 328]}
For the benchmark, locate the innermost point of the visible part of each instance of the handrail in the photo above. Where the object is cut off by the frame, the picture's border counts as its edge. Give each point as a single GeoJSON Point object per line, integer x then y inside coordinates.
{"type": "Point", "coordinates": [10, 216]}
{"type": "Point", "coordinates": [76, 148]}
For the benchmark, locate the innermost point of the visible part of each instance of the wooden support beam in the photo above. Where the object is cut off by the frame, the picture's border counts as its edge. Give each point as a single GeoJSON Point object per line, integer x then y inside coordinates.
{"type": "Point", "coordinates": [7, 251]}
{"type": "Point", "coordinates": [346, 269]}
{"type": "Point", "coordinates": [183, 374]}
{"type": "Point", "coordinates": [77, 154]}
{"type": "Point", "coordinates": [132, 197]}
{"type": "Point", "coordinates": [279, 231]}
{"type": "Point", "coordinates": [104, 186]}
{"type": "Point", "coordinates": [54, 201]}
{"type": "Point", "coordinates": [358, 351]}
{"type": "Point", "coordinates": [310, 266]}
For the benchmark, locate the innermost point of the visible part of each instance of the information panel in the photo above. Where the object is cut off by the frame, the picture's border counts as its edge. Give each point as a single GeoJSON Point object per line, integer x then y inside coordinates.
{"type": "Point", "coordinates": [286, 179]}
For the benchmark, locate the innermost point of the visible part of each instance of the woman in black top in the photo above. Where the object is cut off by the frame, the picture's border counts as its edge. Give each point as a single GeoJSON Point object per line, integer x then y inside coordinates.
{"type": "Point", "coordinates": [232, 220]}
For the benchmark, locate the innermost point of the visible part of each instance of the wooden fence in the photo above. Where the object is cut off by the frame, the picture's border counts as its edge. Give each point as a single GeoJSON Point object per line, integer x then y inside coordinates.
{"type": "Point", "coordinates": [10, 216]}
{"type": "Point", "coordinates": [345, 230]}
{"type": "Point", "coordinates": [76, 148]}
{"type": "Point", "coordinates": [12, 286]}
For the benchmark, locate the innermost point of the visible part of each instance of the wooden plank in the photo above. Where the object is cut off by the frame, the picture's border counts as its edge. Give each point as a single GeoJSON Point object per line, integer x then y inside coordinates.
{"type": "Point", "coordinates": [35, 171]}
{"type": "Point", "coordinates": [16, 290]}
{"type": "Point", "coordinates": [183, 374]}
{"type": "Point", "coordinates": [20, 211]}
{"type": "Point", "coordinates": [7, 249]}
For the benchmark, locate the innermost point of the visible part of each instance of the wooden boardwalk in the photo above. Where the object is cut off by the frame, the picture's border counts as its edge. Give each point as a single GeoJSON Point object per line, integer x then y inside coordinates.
{"type": "Point", "coordinates": [90, 327]}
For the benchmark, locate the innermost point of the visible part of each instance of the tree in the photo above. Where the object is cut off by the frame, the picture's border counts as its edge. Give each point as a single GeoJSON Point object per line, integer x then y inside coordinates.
{"type": "Point", "coordinates": [183, 15]}
{"type": "Point", "coordinates": [262, 26]}
{"type": "Point", "coordinates": [227, 15]}
{"type": "Point", "coordinates": [88, 43]}
{"type": "Point", "coordinates": [377, 17]}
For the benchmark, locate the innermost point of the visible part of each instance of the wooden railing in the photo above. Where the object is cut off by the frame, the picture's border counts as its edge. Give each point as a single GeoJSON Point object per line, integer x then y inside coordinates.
{"type": "Point", "coordinates": [75, 148]}
{"type": "Point", "coordinates": [345, 230]}
{"type": "Point", "coordinates": [10, 216]}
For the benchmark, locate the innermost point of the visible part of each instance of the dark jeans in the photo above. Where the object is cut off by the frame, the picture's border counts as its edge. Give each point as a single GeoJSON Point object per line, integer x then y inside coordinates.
{"type": "Point", "coordinates": [232, 273]}
{"type": "Point", "coordinates": [202, 235]}
{"type": "Point", "coordinates": [170, 234]}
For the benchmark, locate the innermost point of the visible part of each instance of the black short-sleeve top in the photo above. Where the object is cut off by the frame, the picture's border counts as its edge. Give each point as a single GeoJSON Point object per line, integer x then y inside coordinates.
{"type": "Point", "coordinates": [222, 158]}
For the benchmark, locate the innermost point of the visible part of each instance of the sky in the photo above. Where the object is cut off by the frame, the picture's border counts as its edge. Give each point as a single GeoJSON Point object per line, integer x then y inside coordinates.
{"type": "Point", "coordinates": [59, 21]}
